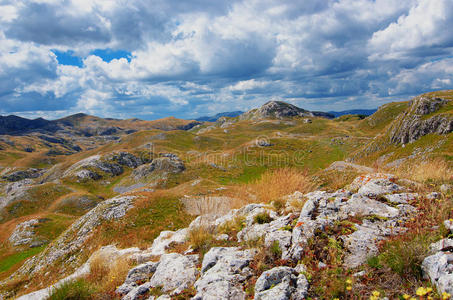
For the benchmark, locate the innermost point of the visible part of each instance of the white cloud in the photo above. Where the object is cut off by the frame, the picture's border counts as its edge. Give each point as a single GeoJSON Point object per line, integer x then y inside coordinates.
{"type": "Point", "coordinates": [205, 56]}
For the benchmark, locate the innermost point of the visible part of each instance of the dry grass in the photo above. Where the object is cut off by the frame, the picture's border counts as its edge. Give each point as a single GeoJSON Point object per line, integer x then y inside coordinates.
{"type": "Point", "coordinates": [432, 170]}
{"type": "Point", "coordinates": [273, 185]}
{"type": "Point", "coordinates": [205, 205]}
{"type": "Point", "coordinates": [201, 238]}
{"type": "Point", "coordinates": [107, 274]}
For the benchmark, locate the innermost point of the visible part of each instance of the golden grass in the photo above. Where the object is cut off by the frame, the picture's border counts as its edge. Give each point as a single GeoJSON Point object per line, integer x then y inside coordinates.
{"type": "Point", "coordinates": [200, 238]}
{"type": "Point", "coordinates": [107, 274]}
{"type": "Point", "coordinates": [431, 170]}
{"type": "Point", "coordinates": [273, 185]}
{"type": "Point", "coordinates": [205, 205]}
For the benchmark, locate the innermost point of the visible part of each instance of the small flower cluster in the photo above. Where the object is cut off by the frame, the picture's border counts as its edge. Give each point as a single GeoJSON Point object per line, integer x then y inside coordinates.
{"type": "Point", "coordinates": [422, 292]}
{"type": "Point", "coordinates": [375, 295]}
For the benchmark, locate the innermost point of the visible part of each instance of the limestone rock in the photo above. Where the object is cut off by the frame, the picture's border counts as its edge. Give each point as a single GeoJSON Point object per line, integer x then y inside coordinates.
{"type": "Point", "coordinates": [378, 187]}
{"type": "Point", "coordinates": [175, 272]}
{"type": "Point", "coordinates": [223, 272]}
{"type": "Point", "coordinates": [281, 283]}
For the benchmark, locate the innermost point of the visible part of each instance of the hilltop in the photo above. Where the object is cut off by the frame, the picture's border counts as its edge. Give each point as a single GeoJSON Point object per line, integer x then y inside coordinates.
{"type": "Point", "coordinates": [277, 202]}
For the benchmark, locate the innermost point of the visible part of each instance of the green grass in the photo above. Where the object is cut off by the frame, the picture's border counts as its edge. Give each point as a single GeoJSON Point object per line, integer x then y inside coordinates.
{"type": "Point", "coordinates": [10, 261]}
{"type": "Point", "coordinates": [53, 225]}
{"type": "Point", "coordinates": [36, 199]}
{"type": "Point", "coordinates": [145, 221]}
{"type": "Point", "coordinates": [78, 289]}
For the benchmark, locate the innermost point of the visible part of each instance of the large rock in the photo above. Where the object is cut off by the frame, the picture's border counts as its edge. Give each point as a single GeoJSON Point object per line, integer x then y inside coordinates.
{"type": "Point", "coordinates": [281, 283]}
{"type": "Point", "coordinates": [24, 174]}
{"type": "Point", "coordinates": [24, 233]}
{"type": "Point", "coordinates": [378, 187]}
{"type": "Point", "coordinates": [69, 244]}
{"type": "Point", "coordinates": [175, 272]}
{"type": "Point", "coordinates": [439, 269]}
{"type": "Point", "coordinates": [224, 271]}
{"type": "Point", "coordinates": [360, 205]}
{"type": "Point", "coordinates": [162, 164]}
{"type": "Point", "coordinates": [415, 122]}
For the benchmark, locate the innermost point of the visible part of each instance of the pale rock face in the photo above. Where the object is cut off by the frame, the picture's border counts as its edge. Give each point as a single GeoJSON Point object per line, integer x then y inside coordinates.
{"type": "Point", "coordinates": [170, 164]}
{"type": "Point", "coordinates": [378, 187]}
{"type": "Point", "coordinates": [360, 205]}
{"type": "Point", "coordinates": [281, 283]}
{"type": "Point", "coordinates": [402, 198]}
{"type": "Point", "coordinates": [72, 240]}
{"type": "Point", "coordinates": [24, 233]}
{"type": "Point", "coordinates": [165, 238]}
{"type": "Point", "coordinates": [439, 269]}
{"type": "Point", "coordinates": [175, 272]}
{"type": "Point", "coordinates": [224, 271]}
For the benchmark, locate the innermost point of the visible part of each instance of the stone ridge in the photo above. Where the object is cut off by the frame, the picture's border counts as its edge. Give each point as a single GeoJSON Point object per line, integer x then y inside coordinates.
{"type": "Point", "coordinates": [416, 122]}
{"type": "Point", "coordinates": [280, 110]}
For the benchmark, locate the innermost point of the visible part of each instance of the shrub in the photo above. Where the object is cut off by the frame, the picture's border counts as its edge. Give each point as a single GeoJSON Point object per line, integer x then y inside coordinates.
{"type": "Point", "coordinates": [262, 218]}
{"type": "Point", "coordinates": [78, 289]}
{"type": "Point", "coordinates": [275, 249]}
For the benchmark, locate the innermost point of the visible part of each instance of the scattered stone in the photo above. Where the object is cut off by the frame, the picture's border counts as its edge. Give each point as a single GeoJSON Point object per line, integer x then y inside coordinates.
{"type": "Point", "coordinates": [402, 198]}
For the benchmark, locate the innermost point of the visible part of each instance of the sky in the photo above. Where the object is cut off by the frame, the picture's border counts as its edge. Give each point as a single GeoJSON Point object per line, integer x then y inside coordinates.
{"type": "Point", "coordinates": [158, 58]}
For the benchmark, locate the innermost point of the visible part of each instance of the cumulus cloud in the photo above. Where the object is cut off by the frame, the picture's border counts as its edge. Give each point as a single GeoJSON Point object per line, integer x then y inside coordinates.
{"type": "Point", "coordinates": [190, 58]}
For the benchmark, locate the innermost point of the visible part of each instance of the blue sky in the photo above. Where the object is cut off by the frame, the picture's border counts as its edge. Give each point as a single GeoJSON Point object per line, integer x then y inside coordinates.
{"type": "Point", "coordinates": [156, 58]}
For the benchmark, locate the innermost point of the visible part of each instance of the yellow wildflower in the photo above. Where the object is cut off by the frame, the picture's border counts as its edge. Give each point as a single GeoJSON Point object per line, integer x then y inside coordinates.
{"type": "Point", "coordinates": [348, 281]}
{"type": "Point", "coordinates": [376, 293]}
{"type": "Point", "coordinates": [406, 296]}
{"type": "Point", "coordinates": [421, 291]}
{"type": "Point", "coordinates": [445, 296]}
{"type": "Point", "coordinates": [349, 288]}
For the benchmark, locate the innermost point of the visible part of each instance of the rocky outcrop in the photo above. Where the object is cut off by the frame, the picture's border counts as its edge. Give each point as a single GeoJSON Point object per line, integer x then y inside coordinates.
{"type": "Point", "coordinates": [280, 110]}
{"type": "Point", "coordinates": [23, 174]}
{"type": "Point", "coordinates": [417, 122]}
{"type": "Point", "coordinates": [438, 267]}
{"type": "Point", "coordinates": [223, 273]}
{"type": "Point", "coordinates": [96, 167]}
{"type": "Point", "coordinates": [24, 233]}
{"type": "Point", "coordinates": [282, 283]}
{"type": "Point", "coordinates": [168, 164]}
{"type": "Point", "coordinates": [357, 222]}
{"type": "Point", "coordinates": [70, 243]}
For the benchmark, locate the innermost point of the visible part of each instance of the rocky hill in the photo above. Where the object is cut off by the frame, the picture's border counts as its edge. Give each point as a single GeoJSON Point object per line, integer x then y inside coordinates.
{"type": "Point", "coordinates": [280, 203]}
{"type": "Point", "coordinates": [281, 110]}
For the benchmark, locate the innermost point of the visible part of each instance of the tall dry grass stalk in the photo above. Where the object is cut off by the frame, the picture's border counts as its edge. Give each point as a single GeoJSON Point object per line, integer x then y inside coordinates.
{"type": "Point", "coordinates": [273, 185]}
{"type": "Point", "coordinates": [107, 274]}
{"type": "Point", "coordinates": [436, 169]}
{"type": "Point", "coordinates": [205, 205]}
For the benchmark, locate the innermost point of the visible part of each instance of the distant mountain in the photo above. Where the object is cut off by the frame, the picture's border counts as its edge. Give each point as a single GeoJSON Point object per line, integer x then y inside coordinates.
{"type": "Point", "coordinates": [230, 114]}
{"type": "Point", "coordinates": [365, 112]}
{"type": "Point", "coordinates": [13, 124]}
{"type": "Point", "coordinates": [85, 125]}
{"type": "Point", "coordinates": [281, 110]}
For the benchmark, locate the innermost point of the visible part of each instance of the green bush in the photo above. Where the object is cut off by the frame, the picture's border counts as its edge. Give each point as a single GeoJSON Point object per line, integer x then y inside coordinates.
{"type": "Point", "coordinates": [73, 290]}
{"type": "Point", "coordinates": [262, 218]}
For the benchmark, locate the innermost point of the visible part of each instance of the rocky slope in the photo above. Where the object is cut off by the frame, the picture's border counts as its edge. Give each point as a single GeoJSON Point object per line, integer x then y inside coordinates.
{"type": "Point", "coordinates": [421, 119]}
{"type": "Point", "coordinates": [371, 209]}
{"type": "Point", "coordinates": [280, 110]}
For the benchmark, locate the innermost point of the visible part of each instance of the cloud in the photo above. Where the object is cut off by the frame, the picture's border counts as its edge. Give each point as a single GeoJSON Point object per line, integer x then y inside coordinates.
{"type": "Point", "coordinates": [190, 58]}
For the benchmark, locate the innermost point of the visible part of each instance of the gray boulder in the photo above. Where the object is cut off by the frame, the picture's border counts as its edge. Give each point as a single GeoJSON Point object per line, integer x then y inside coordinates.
{"type": "Point", "coordinates": [439, 269]}
{"type": "Point", "coordinates": [175, 272]}
{"type": "Point", "coordinates": [224, 271]}
{"type": "Point", "coordinates": [161, 164]}
{"type": "Point", "coordinates": [281, 283]}
{"type": "Point", "coordinates": [378, 187]}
